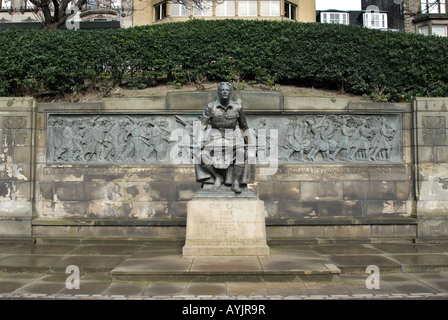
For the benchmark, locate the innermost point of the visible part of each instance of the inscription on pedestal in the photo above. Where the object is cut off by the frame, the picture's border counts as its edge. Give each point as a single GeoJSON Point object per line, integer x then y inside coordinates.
{"type": "Point", "coordinates": [217, 227]}
{"type": "Point", "coordinates": [226, 226]}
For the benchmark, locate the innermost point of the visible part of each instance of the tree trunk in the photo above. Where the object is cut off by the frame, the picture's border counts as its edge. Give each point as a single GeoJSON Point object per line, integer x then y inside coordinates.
{"type": "Point", "coordinates": [59, 10]}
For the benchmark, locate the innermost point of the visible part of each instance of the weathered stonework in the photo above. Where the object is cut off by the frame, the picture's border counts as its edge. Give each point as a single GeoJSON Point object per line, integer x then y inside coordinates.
{"type": "Point", "coordinates": [16, 170]}
{"type": "Point", "coordinates": [380, 168]}
{"type": "Point", "coordinates": [432, 167]}
{"type": "Point", "coordinates": [229, 225]}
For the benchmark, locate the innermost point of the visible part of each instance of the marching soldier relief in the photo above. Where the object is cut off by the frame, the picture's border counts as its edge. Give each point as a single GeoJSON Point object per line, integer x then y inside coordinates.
{"type": "Point", "coordinates": [153, 139]}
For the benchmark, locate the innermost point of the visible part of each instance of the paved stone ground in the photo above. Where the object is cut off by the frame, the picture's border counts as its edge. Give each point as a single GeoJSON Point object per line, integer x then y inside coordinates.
{"type": "Point", "coordinates": [406, 271]}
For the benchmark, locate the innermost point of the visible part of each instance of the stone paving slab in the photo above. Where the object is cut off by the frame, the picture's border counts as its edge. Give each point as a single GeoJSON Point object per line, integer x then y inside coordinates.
{"type": "Point", "coordinates": [393, 286]}
{"type": "Point", "coordinates": [26, 262]}
{"type": "Point", "coordinates": [402, 248]}
{"type": "Point", "coordinates": [90, 263]}
{"type": "Point", "coordinates": [38, 272]}
{"type": "Point", "coordinates": [351, 249]}
{"type": "Point", "coordinates": [359, 263]}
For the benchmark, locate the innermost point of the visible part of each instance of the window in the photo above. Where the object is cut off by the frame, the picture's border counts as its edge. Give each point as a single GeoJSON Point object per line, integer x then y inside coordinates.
{"type": "Point", "coordinates": [334, 17]}
{"type": "Point", "coordinates": [290, 10]}
{"type": "Point", "coordinates": [436, 30]}
{"type": "Point", "coordinates": [375, 20]}
{"type": "Point", "coordinates": [439, 30]}
{"type": "Point", "coordinates": [433, 6]}
{"type": "Point", "coordinates": [423, 30]}
{"type": "Point", "coordinates": [5, 4]}
{"type": "Point", "coordinates": [179, 10]}
{"type": "Point", "coordinates": [225, 9]}
{"type": "Point", "coordinates": [91, 5]}
{"type": "Point", "coordinates": [160, 11]}
{"type": "Point", "coordinates": [28, 5]}
{"type": "Point", "coordinates": [247, 8]}
{"type": "Point", "coordinates": [270, 8]}
{"type": "Point", "coordinates": [206, 12]}
{"type": "Point", "coordinates": [115, 4]}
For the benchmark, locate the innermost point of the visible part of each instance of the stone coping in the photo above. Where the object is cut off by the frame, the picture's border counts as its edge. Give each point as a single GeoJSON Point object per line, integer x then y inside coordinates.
{"type": "Point", "coordinates": [265, 102]}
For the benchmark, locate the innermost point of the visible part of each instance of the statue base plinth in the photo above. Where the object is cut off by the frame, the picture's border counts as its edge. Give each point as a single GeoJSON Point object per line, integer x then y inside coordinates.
{"type": "Point", "coordinates": [222, 223]}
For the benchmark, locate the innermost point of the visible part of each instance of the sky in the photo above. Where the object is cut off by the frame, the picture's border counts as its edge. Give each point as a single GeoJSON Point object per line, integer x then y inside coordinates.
{"type": "Point", "coordinates": [338, 4]}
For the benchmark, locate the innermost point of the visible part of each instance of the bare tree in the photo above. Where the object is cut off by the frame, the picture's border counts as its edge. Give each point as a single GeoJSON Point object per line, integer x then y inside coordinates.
{"type": "Point", "coordinates": [55, 12]}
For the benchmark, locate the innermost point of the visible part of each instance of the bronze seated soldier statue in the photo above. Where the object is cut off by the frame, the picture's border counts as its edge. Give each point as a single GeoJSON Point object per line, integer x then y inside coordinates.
{"type": "Point", "coordinates": [221, 157]}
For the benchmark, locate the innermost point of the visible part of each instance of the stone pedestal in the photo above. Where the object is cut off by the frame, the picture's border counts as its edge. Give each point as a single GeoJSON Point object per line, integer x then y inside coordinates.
{"type": "Point", "coordinates": [225, 224]}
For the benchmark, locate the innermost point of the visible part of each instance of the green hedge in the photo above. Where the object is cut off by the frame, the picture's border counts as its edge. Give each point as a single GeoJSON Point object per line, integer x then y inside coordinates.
{"type": "Point", "coordinates": [386, 65]}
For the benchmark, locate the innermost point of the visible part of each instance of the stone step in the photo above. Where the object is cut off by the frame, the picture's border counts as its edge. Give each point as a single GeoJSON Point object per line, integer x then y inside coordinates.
{"type": "Point", "coordinates": [225, 268]}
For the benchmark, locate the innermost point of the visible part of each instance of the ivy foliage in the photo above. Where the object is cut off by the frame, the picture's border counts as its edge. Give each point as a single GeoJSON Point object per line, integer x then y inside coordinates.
{"type": "Point", "coordinates": [387, 66]}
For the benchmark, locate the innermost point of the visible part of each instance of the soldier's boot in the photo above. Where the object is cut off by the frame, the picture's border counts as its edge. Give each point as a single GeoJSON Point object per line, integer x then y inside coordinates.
{"type": "Point", "coordinates": [237, 178]}
{"type": "Point", "coordinates": [219, 180]}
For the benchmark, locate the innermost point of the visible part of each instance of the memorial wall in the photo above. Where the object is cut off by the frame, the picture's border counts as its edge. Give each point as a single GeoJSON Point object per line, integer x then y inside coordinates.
{"type": "Point", "coordinates": [327, 169]}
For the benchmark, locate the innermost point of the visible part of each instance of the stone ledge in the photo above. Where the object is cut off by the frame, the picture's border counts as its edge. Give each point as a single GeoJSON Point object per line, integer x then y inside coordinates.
{"type": "Point", "coordinates": [340, 221]}
{"type": "Point", "coordinates": [182, 222]}
{"type": "Point", "coordinates": [107, 222]}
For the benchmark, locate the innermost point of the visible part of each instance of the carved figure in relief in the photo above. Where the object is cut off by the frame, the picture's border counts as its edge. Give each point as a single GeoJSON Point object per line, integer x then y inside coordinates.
{"type": "Point", "coordinates": [66, 149]}
{"type": "Point", "coordinates": [360, 146]}
{"type": "Point", "coordinates": [114, 141]}
{"type": "Point", "coordinates": [51, 140]}
{"type": "Point", "coordinates": [159, 135]}
{"type": "Point", "coordinates": [323, 131]}
{"type": "Point", "coordinates": [382, 142]}
{"type": "Point", "coordinates": [57, 135]}
{"type": "Point", "coordinates": [185, 152]}
{"type": "Point", "coordinates": [134, 131]}
{"type": "Point", "coordinates": [344, 141]}
{"type": "Point", "coordinates": [296, 139]}
{"type": "Point", "coordinates": [261, 134]}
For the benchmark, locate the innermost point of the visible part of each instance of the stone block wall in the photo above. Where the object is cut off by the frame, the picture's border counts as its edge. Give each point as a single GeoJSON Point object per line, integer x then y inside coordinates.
{"type": "Point", "coordinates": [96, 191]}
{"type": "Point", "coordinates": [432, 166]}
{"type": "Point", "coordinates": [16, 167]}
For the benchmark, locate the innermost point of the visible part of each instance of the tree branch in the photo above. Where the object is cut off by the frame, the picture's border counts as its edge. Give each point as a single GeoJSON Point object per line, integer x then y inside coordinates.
{"type": "Point", "coordinates": [45, 7]}
{"type": "Point", "coordinates": [56, 10]}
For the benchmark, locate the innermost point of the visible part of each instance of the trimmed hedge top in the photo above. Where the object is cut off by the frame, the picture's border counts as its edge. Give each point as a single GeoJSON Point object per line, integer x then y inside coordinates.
{"type": "Point", "coordinates": [386, 65]}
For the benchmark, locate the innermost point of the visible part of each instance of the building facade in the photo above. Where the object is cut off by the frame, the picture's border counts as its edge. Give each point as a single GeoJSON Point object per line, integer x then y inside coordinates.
{"type": "Point", "coordinates": [353, 12]}
{"type": "Point", "coordinates": [394, 11]}
{"type": "Point", "coordinates": [93, 15]}
{"type": "Point", "coordinates": [159, 11]}
{"type": "Point", "coordinates": [428, 17]}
